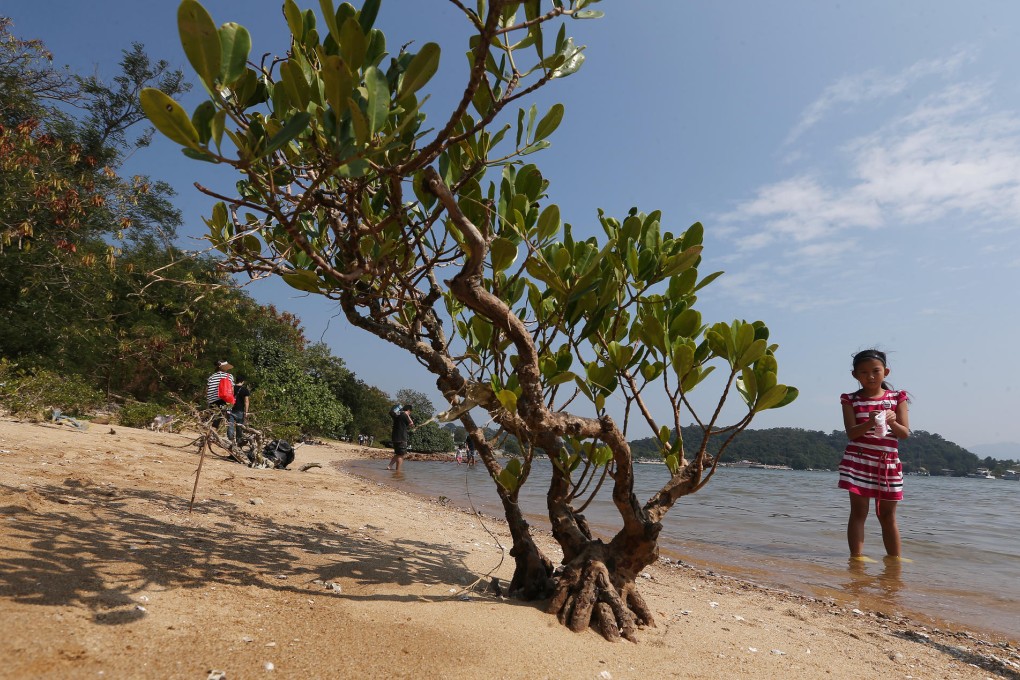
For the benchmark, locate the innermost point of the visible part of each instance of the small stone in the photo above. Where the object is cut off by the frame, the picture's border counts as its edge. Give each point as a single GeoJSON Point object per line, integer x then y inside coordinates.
{"type": "Point", "coordinates": [737, 617]}
{"type": "Point", "coordinates": [778, 652]}
{"type": "Point", "coordinates": [247, 638]}
{"type": "Point", "coordinates": [141, 608]}
{"type": "Point", "coordinates": [270, 644]}
{"type": "Point", "coordinates": [256, 501]}
{"type": "Point", "coordinates": [269, 666]}
{"type": "Point", "coordinates": [753, 649]}
{"type": "Point", "coordinates": [217, 675]}
{"type": "Point", "coordinates": [606, 675]}
{"type": "Point", "coordinates": [713, 605]}
{"type": "Point", "coordinates": [857, 611]}
{"type": "Point", "coordinates": [896, 656]}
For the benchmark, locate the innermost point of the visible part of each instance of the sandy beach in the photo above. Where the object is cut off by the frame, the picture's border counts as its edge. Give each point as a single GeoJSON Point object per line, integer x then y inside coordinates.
{"type": "Point", "coordinates": [287, 574]}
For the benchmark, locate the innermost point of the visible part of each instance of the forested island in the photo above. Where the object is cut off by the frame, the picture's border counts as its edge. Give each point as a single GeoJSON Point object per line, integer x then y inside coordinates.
{"type": "Point", "coordinates": [923, 452]}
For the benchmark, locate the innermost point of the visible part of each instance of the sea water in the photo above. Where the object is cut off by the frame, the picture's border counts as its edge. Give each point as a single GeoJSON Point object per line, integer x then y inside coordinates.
{"type": "Point", "coordinates": [787, 528]}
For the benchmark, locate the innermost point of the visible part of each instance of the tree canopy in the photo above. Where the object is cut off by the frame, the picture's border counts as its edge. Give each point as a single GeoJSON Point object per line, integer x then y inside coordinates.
{"type": "Point", "coordinates": [443, 240]}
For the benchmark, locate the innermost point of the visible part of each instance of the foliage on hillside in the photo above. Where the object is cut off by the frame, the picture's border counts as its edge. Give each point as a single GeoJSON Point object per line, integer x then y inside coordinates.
{"type": "Point", "coordinates": [84, 321]}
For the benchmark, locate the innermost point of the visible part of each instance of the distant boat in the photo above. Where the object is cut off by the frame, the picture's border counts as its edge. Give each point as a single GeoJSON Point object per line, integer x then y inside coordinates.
{"type": "Point", "coordinates": [980, 473]}
{"type": "Point", "coordinates": [1013, 475]}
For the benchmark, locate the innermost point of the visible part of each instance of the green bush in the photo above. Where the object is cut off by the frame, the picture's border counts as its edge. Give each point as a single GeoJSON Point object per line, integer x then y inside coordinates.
{"type": "Point", "coordinates": [139, 414]}
{"type": "Point", "coordinates": [35, 394]}
{"type": "Point", "coordinates": [430, 439]}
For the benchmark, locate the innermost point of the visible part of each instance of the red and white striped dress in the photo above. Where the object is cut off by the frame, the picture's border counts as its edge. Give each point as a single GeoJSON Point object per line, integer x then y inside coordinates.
{"type": "Point", "coordinates": [871, 465]}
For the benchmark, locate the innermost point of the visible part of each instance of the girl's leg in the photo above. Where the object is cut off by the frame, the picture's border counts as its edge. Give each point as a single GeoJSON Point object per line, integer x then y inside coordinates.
{"type": "Point", "coordinates": [855, 526]}
{"type": "Point", "coordinates": [890, 531]}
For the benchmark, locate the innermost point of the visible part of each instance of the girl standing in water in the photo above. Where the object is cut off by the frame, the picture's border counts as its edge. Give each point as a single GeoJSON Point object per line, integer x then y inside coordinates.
{"type": "Point", "coordinates": [875, 418]}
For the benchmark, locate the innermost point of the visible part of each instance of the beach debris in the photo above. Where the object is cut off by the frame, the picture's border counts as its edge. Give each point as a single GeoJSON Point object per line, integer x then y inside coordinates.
{"type": "Point", "coordinates": [897, 657]}
{"type": "Point", "coordinates": [778, 652]}
{"type": "Point", "coordinates": [685, 612]}
{"type": "Point", "coordinates": [713, 605]}
{"type": "Point", "coordinates": [738, 617]}
{"type": "Point", "coordinates": [217, 675]}
{"type": "Point", "coordinates": [858, 612]}
{"type": "Point", "coordinates": [256, 501]}
{"type": "Point", "coordinates": [334, 587]}
{"type": "Point", "coordinates": [269, 666]}
{"type": "Point", "coordinates": [753, 650]}
{"type": "Point", "coordinates": [646, 575]}
{"type": "Point", "coordinates": [270, 644]}
{"type": "Point", "coordinates": [281, 576]}
{"type": "Point", "coordinates": [247, 638]}
{"type": "Point", "coordinates": [606, 675]}
{"type": "Point", "coordinates": [141, 608]}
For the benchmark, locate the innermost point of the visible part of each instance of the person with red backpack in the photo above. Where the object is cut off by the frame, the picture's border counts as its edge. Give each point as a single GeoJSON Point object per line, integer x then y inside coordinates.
{"type": "Point", "coordinates": [219, 389]}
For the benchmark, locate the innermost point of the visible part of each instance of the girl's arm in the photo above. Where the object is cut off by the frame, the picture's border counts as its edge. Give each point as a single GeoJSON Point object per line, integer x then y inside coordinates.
{"type": "Point", "coordinates": [899, 421]}
{"type": "Point", "coordinates": [853, 428]}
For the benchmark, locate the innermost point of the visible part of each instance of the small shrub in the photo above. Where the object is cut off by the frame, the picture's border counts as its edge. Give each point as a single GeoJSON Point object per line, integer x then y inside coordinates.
{"type": "Point", "coordinates": [33, 394]}
{"type": "Point", "coordinates": [138, 414]}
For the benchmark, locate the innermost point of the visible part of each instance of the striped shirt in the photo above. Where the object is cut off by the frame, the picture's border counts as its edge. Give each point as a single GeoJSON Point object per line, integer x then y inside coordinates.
{"type": "Point", "coordinates": [871, 465]}
{"type": "Point", "coordinates": [212, 386]}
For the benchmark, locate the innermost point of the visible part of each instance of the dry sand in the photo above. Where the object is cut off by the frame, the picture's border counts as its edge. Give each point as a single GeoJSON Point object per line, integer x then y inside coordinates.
{"type": "Point", "coordinates": [318, 574]}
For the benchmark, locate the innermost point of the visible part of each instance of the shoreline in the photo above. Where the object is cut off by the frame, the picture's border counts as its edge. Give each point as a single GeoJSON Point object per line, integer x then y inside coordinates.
{"type": "Point", "coordinates": [706, 568]}
{"type": "Point", "coordinates": [322, 574]}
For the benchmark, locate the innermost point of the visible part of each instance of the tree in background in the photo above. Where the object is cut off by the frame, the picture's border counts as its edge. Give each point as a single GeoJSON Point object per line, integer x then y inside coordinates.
{"type": "Point", "coordinates": [344, 191]}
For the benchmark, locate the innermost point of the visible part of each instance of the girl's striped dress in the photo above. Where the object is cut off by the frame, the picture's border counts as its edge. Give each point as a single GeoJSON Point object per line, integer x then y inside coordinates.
{"type": "Point", "coordinates": [871, 465]}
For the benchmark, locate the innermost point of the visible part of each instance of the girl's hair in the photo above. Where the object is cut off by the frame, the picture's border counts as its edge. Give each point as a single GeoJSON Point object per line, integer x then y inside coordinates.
{"type": "Point", "coordinates": [868, 355]}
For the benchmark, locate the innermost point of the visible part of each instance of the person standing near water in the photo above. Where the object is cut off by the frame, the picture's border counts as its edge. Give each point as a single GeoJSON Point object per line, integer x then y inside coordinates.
{"type": "Point", "coordinates": [876, 418]}
{"type": "Point", "coordinates": [402, 424]}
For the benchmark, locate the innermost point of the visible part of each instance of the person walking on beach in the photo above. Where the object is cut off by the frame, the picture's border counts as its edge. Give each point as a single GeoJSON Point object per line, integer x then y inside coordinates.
{"type": "Point", "coordinates": [470, 452]}
{"type": "Point", "coordinates": [875, 417]}
{"type": "Point", "coordinates": [402, 424]}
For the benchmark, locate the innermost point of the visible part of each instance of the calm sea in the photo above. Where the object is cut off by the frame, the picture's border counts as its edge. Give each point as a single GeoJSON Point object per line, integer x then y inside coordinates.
{"type": "Point", "coordinates": [788, 529]}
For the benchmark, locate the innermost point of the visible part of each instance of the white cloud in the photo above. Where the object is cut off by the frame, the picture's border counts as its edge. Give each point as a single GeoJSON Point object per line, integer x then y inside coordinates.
{"type": "Point", "coordinates": [951, 162]}
{"type": "Point", "coordinates": [874, 85]}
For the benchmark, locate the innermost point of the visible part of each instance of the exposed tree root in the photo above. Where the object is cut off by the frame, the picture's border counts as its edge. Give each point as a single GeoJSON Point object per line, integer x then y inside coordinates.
{"type": "Point", "coordinates": [586, 597]}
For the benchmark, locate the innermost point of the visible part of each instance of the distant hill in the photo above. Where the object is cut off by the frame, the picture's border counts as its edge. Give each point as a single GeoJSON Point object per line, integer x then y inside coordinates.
{"type": "Point", "coordinates": [803, 449]}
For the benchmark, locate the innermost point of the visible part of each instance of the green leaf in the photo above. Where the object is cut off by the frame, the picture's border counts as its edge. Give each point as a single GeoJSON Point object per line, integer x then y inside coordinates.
{"type": "Point", "coordinates": [753, 353]}
{"type": "Point", "coordinates": [548, 222]}
{"type": "Point", "coordinates": [508, 399]}
{"type": "Point", "coordinates": [378, 99]}
{"type": "Point", "coordinates": [202, 120]}
{"type": "Point", "coordinates": [589, 14]}
{"type": "Point", "coordinates": [200, 40]}
{"type": "Point", "coordinates": [421, 69]}
{"type": "Point", "coordinates": [235, 44]}
{"type": "Point", "coordinates": [329, 15]}
{"type": "Point", "coordinates": [216, 127]}
{"type": "Point", "coordinates": [353, 44]}
{"type": "Point", "coordinates": [338, 83]}
{"type": "Point", "coordinates": [303, 279]}
{"type": "Point", "coordinates": [200, 155]}
{"type": "Point", "coordinates": [504, 252]}
{"type": "Point", "coordinates": [169, 117]}
{"type": "Point", "coordinates": [664, 434]}
{"type": "Point", "coordinates": [295, 22]}
{"type": "Point", "coordinates": [507, 480]}
{"type": "Point", "coordinates": [771, 398]}
{"type": "Point", "coordinates": [367, 15]}
{"type": "Point", "coordinates": [289, 131]}
{"type": "Point", "coordinates": [550, 121]}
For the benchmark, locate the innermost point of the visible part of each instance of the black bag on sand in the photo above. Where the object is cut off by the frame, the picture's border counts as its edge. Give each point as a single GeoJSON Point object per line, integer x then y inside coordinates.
{"type": "Point", "coordinates": [280, 452]}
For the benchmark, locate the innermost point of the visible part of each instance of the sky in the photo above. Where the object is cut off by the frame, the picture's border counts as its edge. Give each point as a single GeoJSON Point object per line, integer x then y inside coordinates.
{"type": "Point", "coordinates": [856, 166]}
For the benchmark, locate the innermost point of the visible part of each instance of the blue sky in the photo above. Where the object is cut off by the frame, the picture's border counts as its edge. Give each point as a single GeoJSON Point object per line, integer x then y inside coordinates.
{"type": "Point", "coordinates": [856, 165]}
